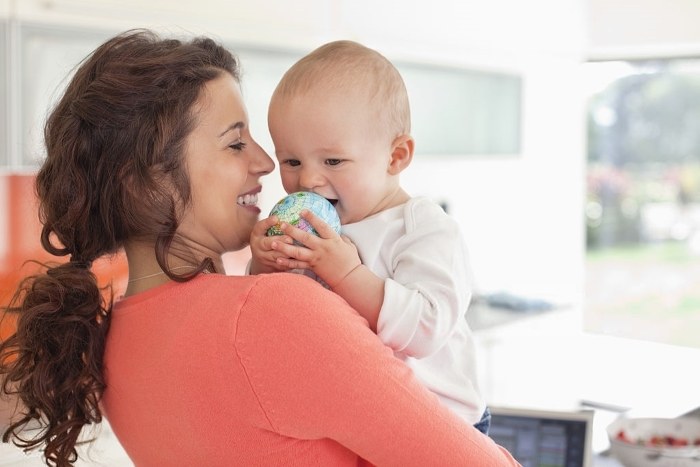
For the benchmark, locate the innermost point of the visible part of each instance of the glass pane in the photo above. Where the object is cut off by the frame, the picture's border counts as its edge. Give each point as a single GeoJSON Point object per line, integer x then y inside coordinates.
{"type": "Point", "coordinates": [463, 112]}
{"type": "Point", "coordinates": [49, 57]}
{"type": "Point", "coordinates": [4, 104]}
{"type": "Point", "coordinates": [643, 202]}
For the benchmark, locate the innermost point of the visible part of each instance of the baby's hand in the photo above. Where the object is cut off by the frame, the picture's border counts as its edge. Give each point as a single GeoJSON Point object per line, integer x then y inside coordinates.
{"type": "Point", "coordinates": [264, 254]}
{"type": "Point", "coordinates": [330, 256]}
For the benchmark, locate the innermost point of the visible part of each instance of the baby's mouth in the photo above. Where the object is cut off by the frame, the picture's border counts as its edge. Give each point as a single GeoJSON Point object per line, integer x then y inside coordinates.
{"type": "Point", "coordinates": [247, 200]}
{"type": "Point", "coordinates": [332, 201]}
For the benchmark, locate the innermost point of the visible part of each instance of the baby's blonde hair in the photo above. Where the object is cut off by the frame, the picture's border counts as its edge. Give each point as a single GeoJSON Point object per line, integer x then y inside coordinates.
{"type": "Point", "coordinates": [347, 65]}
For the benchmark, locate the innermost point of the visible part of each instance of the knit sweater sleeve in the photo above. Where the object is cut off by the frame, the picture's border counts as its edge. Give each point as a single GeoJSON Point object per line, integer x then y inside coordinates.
{"type": "Point", "coordinates": [318, 371]}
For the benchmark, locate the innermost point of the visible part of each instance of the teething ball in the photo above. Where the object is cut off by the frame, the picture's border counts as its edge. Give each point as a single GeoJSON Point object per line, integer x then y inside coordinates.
{"type": "Point", "coordinates": [288, 210]}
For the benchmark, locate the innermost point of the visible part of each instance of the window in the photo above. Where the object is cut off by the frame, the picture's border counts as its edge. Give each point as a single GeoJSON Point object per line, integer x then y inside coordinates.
{"type": "Point", "coordinates": [48, 57]}
{"type": "Point", "coordinates": [643, 200]}
{"type": "Point", "coordinates": [455, 111]}
{"type": "Point", "coordinates": [4, 104]}
{"type": "Point", "coordinates": [463, 112]}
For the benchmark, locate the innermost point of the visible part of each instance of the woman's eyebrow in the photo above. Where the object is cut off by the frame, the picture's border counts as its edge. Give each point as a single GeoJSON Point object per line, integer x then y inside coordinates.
{"type": "Point", "coordinates": [234, 126]}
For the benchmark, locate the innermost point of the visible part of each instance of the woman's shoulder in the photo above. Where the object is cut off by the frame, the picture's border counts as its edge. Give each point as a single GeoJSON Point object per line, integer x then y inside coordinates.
{"type": "Point", "coordinates": [274, 292]}
{"type": "Point", "coordinates": [292, 290]}
{"type": "Point", "coordinates": [278, 284]}
{"type": "Point", "coordinates": [219, 291]}
{"type": "Point", "coordinates": [276, 280]}
{"type": "Point", "coordinates": [287, 299]}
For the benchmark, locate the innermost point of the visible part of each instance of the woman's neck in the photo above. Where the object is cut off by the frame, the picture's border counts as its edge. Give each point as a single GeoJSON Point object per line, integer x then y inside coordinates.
{"type": "Point", "coordinates": [145, 273]}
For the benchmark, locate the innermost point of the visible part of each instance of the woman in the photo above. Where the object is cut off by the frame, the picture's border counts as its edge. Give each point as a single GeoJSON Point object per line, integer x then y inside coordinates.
{"type": "Point", "coordinates": [149, 150]}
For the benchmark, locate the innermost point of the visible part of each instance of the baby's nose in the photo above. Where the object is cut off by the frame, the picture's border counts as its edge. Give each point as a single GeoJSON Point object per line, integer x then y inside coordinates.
{"type": "Point", "coordinates": [310, 180]}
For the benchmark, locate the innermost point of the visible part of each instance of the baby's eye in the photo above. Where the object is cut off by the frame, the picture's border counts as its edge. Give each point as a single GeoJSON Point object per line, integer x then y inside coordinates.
{"type": "Point", "coordinates": [333, 161]}
{"type": "Point", "coordinates": [292, 162]}
{"type": "Point", "coordinates": [238, 146]}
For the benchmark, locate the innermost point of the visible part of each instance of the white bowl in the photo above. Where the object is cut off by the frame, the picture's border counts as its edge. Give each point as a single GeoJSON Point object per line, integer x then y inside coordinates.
{"type": "Point", "coordinates": [631, 454]}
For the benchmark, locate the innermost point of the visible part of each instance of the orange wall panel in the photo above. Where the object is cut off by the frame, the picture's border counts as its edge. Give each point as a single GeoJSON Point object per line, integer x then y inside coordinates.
{"type": "Point", "coordinates": [20, 232]}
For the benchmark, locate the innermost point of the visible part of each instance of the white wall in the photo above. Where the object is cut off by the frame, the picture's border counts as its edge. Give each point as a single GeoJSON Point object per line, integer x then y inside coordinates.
{"type": "Point", "coordinates": [642, 28]}
{"type": "Point", "coordinates": [522, 215]}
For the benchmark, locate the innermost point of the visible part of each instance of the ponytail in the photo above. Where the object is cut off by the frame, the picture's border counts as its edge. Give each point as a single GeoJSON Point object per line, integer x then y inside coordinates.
{"type": "Point", "coordinates": [54, 360]}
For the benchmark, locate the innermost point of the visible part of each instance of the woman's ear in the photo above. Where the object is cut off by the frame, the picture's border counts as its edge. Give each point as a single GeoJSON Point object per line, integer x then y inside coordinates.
{"type": "Point", "coordinates": [401, 153]}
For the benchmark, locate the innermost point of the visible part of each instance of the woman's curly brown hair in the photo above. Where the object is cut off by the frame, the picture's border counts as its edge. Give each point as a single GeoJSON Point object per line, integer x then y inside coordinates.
{"type": "Point", "coordinates": [116, 134]}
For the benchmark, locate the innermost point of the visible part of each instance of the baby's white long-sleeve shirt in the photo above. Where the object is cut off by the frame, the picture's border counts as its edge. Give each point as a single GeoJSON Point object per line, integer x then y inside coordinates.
{"type": "Point", "coordinates": [420, 253]}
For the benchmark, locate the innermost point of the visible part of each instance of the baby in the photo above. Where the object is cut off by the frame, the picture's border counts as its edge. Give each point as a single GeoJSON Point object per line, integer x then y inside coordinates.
{"type": "Point", "coordinates": [340, 123]}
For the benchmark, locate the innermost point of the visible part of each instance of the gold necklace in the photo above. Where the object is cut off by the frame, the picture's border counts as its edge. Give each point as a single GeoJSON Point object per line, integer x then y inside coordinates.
{"type": "Point", "coordinates": [159, 273]}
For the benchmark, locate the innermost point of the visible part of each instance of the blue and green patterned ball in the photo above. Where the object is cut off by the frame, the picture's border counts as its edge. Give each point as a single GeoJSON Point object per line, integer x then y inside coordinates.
{"type": "Point", "coordinates": [289, 208]}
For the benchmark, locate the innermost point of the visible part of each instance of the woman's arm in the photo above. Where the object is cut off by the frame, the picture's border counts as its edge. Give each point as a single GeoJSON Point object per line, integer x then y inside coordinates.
{"type": "Point", "coordinates": [319, 372]}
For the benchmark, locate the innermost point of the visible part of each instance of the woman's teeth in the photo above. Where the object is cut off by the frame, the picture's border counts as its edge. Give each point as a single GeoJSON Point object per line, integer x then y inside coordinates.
{"type": "Point", "coordinates": [247, 200]}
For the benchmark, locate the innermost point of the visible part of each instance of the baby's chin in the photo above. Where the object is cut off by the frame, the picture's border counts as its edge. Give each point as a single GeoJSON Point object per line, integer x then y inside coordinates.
{"type": "Point", "coordinates": [344, 218]}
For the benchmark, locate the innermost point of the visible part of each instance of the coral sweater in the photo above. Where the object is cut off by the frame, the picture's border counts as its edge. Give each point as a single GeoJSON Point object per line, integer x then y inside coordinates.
{"type": "Point", "coordinates": [270, 370]}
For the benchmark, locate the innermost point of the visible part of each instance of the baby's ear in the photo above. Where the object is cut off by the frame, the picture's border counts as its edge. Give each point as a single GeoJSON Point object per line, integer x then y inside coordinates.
{"type": "Point", "coordinates": [401, 153]}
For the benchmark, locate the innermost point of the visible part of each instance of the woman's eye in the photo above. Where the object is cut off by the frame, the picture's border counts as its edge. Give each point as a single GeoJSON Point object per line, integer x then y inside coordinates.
{"type": "Point", "coordinates": [239, 146]}
{"type": "Point", "coordinates": [333, 161]}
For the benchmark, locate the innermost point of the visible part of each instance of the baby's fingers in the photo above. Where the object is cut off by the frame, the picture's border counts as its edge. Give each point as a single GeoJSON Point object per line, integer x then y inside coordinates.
{"type": "Point", "coordinates": [307, 239]}
{"type": "Point", "coordinates": [347, 240]}
{"type": "Point", "coordinates": [292, 256]}
{"type": "Point", "coordinates": [291, 263]}
{"type": "Point", "coordinates": [261, 227]}
{"type": "Point", "coordinates": [324, 230]}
